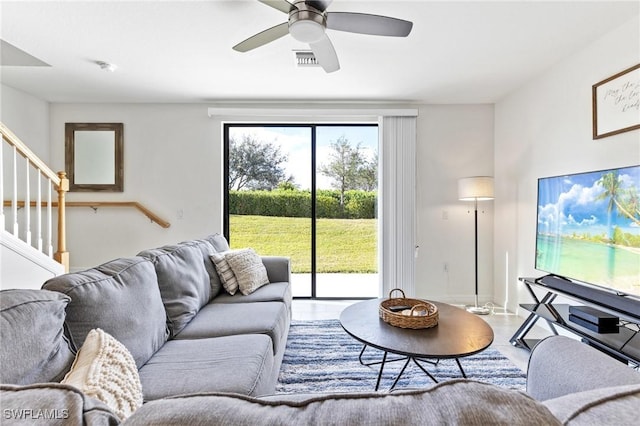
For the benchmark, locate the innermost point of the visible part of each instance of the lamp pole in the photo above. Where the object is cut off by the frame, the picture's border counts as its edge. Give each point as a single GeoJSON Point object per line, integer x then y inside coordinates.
{"type": "Point", "coordinates": [475, 229]}
{"type": "Point", "coordinates": [476, 188]}
{"type": "Point", "coordinates": [478, 310]}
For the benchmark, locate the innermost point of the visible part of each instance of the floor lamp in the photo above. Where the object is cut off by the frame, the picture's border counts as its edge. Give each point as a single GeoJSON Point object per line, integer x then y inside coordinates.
{"type": "Point", "coordinates": [477, 188]}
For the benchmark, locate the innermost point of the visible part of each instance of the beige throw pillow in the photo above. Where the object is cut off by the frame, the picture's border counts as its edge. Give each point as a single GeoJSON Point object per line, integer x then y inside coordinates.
{"type": "Point", "coordinates": [249, 270]}
{"type": "Point", "coordinates": [105, 370]}
{"type": "Point", "coordinates": [227, 277]}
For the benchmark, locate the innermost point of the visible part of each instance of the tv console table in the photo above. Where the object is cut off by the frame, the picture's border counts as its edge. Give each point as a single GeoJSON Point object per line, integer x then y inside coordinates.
{"type": "Point", "coordinates": [623, 344]}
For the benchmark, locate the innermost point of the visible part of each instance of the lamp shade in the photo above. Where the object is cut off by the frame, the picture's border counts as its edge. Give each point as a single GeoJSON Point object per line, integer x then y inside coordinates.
{"type": "Point", "coordinates": [475, 188]}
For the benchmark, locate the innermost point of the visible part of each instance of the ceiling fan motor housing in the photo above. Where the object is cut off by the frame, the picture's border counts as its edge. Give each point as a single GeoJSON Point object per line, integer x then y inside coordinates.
{"type": "Point", "coordinates": [306, 23]}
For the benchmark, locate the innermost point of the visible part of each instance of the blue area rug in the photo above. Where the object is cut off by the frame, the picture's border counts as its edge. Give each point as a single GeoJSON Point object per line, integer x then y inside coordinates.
{"type": "Point", "coordinates": [321, 357]}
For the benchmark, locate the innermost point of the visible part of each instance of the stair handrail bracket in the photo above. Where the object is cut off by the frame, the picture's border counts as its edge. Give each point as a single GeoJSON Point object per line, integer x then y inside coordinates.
{"type": "Point", "coordinates": [33, 166]}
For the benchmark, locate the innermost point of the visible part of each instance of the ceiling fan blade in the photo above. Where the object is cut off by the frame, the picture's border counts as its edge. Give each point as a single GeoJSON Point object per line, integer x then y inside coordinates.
{"type": "Point", "coordinates": [325, 54]}
{"type": "Point", "coordinates": [281, 5]}
{"type": "Point", "coordinates": [263, 38]}
{"type": "Point", "coordinates": [321, 5]}
{"type": "Point", "coordinates": [364, 23]}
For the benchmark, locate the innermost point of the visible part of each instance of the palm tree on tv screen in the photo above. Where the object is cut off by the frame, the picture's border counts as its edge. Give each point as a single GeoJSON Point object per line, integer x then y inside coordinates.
{"type": "Point", "coordinates": [625, 201]}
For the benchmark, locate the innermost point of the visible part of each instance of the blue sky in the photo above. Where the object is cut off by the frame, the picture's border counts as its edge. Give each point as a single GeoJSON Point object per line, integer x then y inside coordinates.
{"type": "Point", "coordinates": [296, 142]}
{"type": "Point", "coordinates": [567, 204]}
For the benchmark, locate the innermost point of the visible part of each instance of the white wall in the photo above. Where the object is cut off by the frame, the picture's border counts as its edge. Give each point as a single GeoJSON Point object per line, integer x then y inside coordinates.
{"type": "Point", "coordinates": [27, 117]}
{"type": "Point", "coordinates": [544, 129]}
{"type": "Point", "coordinates": [172, 156]}
{"type": "Point", "coordinates": [454, 141]}
{"type": "Point", "coordinates": [172, 165]}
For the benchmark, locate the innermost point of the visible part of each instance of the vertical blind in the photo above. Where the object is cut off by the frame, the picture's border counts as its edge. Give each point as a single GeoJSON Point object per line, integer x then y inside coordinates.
{"type": "Point", "coordinates": [398, 182]}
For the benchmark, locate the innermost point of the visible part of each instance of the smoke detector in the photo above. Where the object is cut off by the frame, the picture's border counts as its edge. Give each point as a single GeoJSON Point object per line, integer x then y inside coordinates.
{"type": "Point", "coordinates": [106, 66]}
{"type": "Point", "coordinates": [306, 58]}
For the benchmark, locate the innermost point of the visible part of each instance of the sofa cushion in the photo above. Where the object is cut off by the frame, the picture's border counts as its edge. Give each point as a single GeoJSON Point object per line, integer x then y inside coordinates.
{"type": "Point", "coordinates": [105, 370]}
{"type": "Point", "coordinates": [219, 242]}
{"type": "Point", "coordinates": [274, 292]}
{"type": "Point", "coordinates": [613, 405]}
{"type": "Point", "coordinates": [215, 320]}
{"type": "Point", "coordinates": [240, 364]}
{"type": "Point", "coordinates": [52, 404]}
{"type": "Point", "coordinates": [34, 348]}
{"type": "Point", "coordinates": [207, 250]}
{"type": "Point", "coordinates": [107, 297]}
{"type": "Point", "coordinates": [183, 281]}
{"type": "Point", "coordinates": [248, 269]}
{"type": "Point", "coordinates": [458, 402]}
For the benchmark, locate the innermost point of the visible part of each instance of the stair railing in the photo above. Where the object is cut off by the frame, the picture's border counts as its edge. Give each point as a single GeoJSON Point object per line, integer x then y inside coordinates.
{"type": "Point", "coordinates": [20, 179]}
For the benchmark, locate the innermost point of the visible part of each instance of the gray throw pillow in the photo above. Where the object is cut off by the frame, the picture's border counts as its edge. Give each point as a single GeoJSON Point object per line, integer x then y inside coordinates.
{"type": "Point", "coordinates": [122, 298]}
{"type": "Point", "coordinates": [33, 347]}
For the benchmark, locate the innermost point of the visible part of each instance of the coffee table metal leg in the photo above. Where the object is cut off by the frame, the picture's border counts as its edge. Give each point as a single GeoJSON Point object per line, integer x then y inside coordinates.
{"type": "Point", "coordinates": [436, 362]}
{"type": "Point", "coordinates": [425, 370]}
{"type": "Point", "coordinates": [404, 367]}
{"type": "Point", "coordinates": [461, 370]}
{"type": "Point", "coordinates": [395, 382]}
{"type": "Point", "coordinates": [361, 353]}
{"type": "Point", "coordinates": [369, 364]}
{"type": "Point", "coordinates": [384, 360]}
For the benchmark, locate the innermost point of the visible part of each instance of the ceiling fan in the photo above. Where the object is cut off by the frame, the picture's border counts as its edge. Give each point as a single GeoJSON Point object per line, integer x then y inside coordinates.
{"type": "Point", "coordinates": [308, 21]}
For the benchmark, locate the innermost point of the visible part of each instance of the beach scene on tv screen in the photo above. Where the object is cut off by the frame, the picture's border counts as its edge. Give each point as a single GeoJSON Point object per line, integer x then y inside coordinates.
{"type": "Point", "coordinates": [589, 228]}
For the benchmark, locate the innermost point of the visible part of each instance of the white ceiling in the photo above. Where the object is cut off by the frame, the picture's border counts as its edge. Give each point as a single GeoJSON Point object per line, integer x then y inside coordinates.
{"type": "Point", "coordinates": [180, 51]}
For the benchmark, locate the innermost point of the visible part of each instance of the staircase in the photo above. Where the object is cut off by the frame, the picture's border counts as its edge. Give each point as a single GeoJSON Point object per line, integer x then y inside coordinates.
{"type": "Point", "coordinates": [27, 216]}
{"type": "Point", "coordinates": [21, 266]}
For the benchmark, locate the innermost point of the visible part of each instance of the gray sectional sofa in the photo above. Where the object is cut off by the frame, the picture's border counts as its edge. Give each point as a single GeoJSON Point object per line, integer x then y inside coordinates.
{"type": "Point", "coordinates": [168, 307]}
{"type": "Point", "coordinates": [206, 357]}
{"type": "Point", "coordinates": [186, 334]}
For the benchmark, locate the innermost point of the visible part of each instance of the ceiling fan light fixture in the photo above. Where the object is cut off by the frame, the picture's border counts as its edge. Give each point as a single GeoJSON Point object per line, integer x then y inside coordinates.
{"type": "Point", "coordinates": [306, 31]}
{"type": "Point", "coordinates": [308, 21]}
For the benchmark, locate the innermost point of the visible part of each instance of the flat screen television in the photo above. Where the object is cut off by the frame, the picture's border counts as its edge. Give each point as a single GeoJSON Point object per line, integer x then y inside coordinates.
{"type": "Point", "coordinates": [588, 229]}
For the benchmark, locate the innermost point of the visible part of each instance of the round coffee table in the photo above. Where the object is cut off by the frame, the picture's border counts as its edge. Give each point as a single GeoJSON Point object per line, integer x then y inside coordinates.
{"type": "Point", "coordinates": [457, 335]}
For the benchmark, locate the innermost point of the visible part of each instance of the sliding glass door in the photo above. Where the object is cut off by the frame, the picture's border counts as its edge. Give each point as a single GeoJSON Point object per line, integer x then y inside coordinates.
{"type": "Point", "coordinates": [346, 211]}
{"type": "Point", "coordinates": [308, 192]}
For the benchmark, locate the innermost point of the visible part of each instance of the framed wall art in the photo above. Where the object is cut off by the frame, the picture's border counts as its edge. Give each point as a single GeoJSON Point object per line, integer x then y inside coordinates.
{"type": "Point", "coordinates": [616, 103]}
{"type": "Point", "coordinates": [93, 157]}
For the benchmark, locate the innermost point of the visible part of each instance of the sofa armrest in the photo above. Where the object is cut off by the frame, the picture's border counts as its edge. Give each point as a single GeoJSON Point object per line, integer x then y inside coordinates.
{"type": "Point", "coordinates": [52, 403]}
{"type": "Point", "coordinates": [616, 405]}
{"type": "Point", "coordinates": [559, 365]}
{"type": "Point", "coordinates": [278, 268]}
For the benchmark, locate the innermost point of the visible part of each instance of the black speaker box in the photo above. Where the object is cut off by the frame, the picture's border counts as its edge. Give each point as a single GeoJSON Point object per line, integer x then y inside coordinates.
{"type": "Point", "coordinates": [601, 329]}
{"type": "Point", "coordinates": [594, 316]}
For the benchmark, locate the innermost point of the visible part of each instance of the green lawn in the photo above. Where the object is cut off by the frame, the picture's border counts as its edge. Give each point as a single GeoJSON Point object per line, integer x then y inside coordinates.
{"type": "Point", "coordinates": [344, 245]}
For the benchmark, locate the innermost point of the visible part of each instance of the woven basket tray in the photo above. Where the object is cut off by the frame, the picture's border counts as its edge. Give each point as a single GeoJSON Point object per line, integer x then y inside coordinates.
{"type": "Point", "coordinates": [397, 319]}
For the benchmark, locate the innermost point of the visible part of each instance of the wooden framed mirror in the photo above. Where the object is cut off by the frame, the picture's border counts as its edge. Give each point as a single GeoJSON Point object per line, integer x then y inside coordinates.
{"type": "Point", "coordinates": [93, 157]}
